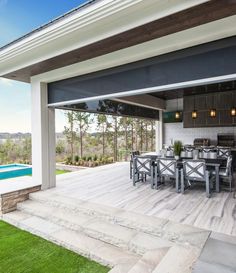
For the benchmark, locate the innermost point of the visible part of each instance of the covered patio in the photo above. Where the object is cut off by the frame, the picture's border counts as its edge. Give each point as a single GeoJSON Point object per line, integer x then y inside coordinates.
{"type": "Point", "coordinates": [164, 60]}
{"type": "Point", "coordinates": [110, 185]}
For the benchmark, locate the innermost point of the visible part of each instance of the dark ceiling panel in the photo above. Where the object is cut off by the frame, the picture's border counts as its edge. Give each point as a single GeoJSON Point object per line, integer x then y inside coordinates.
{"type": "Point", "coordinates": [203, 89]}
{"type": "Point", "coordinates": [192, 17]}
{"type": "Point", "coordinates": [204, 61]}
{"type": "Point", "coordinates": [114, 108]}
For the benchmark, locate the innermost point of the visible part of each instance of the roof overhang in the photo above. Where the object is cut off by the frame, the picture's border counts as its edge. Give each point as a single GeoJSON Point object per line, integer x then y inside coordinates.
{"type": "Point", "coordinates": [101, 28]}
{"type": "Point", "coordinates": [112, 29]}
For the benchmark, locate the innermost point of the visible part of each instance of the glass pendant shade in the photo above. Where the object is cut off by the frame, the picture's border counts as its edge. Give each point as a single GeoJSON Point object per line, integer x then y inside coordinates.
{"type": "Point", "coordinates": [177, 114]}
{"type": "Point", "coordinates": [194, 114]}
{"type": "Point", "coordinates": [213, 113]}
{"type": "Point", "coordinates": [233, 112]}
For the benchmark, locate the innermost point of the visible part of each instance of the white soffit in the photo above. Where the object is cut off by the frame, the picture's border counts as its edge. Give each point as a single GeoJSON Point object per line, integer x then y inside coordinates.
{"type": "Point", "coordinates": [98, 21]}
{"type": "Point", "coordinates": [198, 35]}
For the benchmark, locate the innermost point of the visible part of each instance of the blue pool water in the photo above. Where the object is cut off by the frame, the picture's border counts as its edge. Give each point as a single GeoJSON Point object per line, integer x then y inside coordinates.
{"type": "Point", "coordinates": [14, 170]}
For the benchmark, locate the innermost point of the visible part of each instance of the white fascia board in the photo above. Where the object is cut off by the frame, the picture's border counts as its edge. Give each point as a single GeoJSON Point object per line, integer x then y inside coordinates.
{"type": "Point", "coordinates": [96, 22]}
{"type": "Point", "coordinates": [202, 34]}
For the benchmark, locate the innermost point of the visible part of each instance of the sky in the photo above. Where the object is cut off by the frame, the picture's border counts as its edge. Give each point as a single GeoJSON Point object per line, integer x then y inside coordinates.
{"type": "Point", "coordinates": [18, 17]}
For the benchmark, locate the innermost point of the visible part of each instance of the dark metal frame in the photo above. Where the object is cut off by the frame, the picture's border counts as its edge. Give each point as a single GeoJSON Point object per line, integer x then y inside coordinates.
{"type": "Point", "coordinates": [132, 155]}
{"type": "Point", "coordinates": [223, 152]}
{"type": "Point", "coordinates": [143, 166]}
{"type": "Point", "coordinates": [228, 172]}
{"type": "Point", "coordinates": [165, 164]}
{"type": "Point", "coordinates": [195, 175]}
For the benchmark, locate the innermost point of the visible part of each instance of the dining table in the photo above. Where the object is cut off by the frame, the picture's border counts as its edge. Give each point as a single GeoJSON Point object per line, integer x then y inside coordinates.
{"type": "Point", "coordinates": [211, 164]}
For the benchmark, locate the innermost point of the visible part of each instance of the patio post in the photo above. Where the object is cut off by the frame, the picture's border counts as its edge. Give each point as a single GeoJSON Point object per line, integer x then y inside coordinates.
{"type": "Point", "coordinates": [43, 137]}
{"type": "Point", "coordinates": [159, 132]}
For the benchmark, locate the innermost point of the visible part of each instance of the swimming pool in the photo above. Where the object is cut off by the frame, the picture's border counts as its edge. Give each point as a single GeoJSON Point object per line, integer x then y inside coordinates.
{"type": "Point", "coordinates": [14, 170]}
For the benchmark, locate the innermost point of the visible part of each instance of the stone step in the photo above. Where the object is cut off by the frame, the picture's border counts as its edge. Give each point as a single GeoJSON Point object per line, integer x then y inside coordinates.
{"type": "Point", "coordinates": [93, 249]}
{"type": "Point", "coordinates": [168, 230]}
{"type": "Point", "coordinates": [123, 237]}
{"type": "Point", "coordinates": [149, 261]}
{"type": "Point", "coordinates": [218, 255]}
{"type": "Point", "coordinates": [178, 259]}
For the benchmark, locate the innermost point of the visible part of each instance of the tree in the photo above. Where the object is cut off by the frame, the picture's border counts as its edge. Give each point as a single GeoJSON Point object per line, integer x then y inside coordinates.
{"type": "Point", "coordinates": [115, 128]}
{"type": "Point", "coordinates": [70, 132]}
{"type": "Point", "coordinates": [83, 120]}
{"type": "Point", "coordinates": [139, 131]}
{"type": "Point", "coordinates": [146, 135]}
{"type": "Point", "coordinates": [103, 125]}
{"type": "Point", "coordinates": [26, 149]}
{"type": "Point", "coordinates": [152, 134]}
{"type": "Point", "coordinates": [125, 123]}
{"type": "Point", "coordinates": [60, 147]}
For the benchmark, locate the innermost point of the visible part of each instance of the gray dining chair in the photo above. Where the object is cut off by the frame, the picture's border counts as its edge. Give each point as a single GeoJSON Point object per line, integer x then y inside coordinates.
{"type": "Point", "coordinates": [132, 155]}
{"type": "Point", "coordinates": [143, 166]}
{"type": "Point", "coordinates": [208, 152]}
{"type": "Point", "coordinates": [226, 174]}
{"type": "Point", "coordinates": [170, 151]}
{"type": "Point", "coordinates": [223, 152]}
{"type": "Point", "coordinates": [167, 168]}
{"type": "Point", "coordinates": [195, 171]}
{"type": "Point", "coordinates": [189, 151]}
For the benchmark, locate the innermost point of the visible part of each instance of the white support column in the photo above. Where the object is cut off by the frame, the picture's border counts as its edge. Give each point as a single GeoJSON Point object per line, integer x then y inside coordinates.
{"type": "Point", "coordinates": [159, 132]}
{"type": "Point", "coordinates": [43, 137]}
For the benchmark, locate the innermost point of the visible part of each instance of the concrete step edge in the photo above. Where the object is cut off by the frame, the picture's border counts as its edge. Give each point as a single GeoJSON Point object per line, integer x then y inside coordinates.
{"type": "Point", "coordinates": [151, 225]}
{"type": "Point", "coordinates": [149, 261]}
{"type": "Point", "coordinates": [106, 232]}
{"type": "Point", "coordinates": [178, 259]}
{"type": "Point", "coordinates": [79, 250]}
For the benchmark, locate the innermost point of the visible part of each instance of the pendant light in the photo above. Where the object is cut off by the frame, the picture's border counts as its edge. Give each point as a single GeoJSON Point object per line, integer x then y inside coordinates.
{"type": "Point", "coordinates": [233, 109]}
{"type": "Point", "coordinates": [177, 113]}
{"type": "Point", "coordinates": [233, 112]}
{"type": "Point", "coordinates": [212, 112]}
{"type": "Point", "coordinates": [194, 112]}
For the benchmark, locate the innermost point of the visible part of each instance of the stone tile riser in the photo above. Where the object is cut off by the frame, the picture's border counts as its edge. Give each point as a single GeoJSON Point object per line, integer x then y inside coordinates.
{"type": "Point", "coordinates": [62, 243]}
{"type": "Point", "coordinates": [128, 245]}
{"type": "Point", "coordinates": [165, 230]}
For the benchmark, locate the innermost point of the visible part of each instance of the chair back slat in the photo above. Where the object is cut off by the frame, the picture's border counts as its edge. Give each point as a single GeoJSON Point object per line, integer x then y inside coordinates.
{"type": "Point", "coordinates": [194, 169]}
{"type": "Point", "coordinates": [166, 167]}
{"type": "Point", "coordinates": [224, 152]}
{"type": "Point", "coordinates": [143, 164]}
{"type": "Point", "coordinates": [208, 152]}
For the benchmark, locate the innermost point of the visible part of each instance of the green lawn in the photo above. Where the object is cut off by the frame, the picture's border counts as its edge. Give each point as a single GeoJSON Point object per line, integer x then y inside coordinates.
{"type": "Point", "coordinates": [57, 172]}
{"type": "Point", "coordinates": [22, 252]}
{"type": "Point", "coordinates": [61, 172]}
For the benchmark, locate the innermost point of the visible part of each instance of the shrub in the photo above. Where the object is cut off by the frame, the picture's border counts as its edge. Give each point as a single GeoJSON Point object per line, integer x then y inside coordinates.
{"type": "Point", "coordinates": [69, 160]}
{"type": "Point", "coordinates": [77, 158]}
{"type": "Point", "coordinates": [110, 160]}
{"type": "Point", "coordinates": [89, 158]}
{"type": "Point", "coordinates": [95, 158]}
